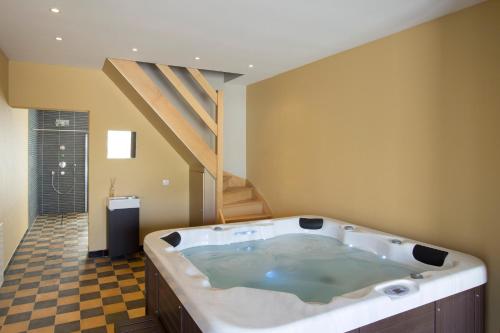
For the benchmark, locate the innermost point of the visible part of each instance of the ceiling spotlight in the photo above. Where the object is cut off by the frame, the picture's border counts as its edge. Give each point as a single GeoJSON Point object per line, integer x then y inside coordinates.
{"type": "Point", "coordinates": [135, 49]}
{"type": "Point", "coordinates": [196, 58]}
{"type": "Point", "coordinates": [59, 39]}
{"type": "Point", "coordinates": [55, 10]}
{"type": "Point", "coordinates": [250, 66]}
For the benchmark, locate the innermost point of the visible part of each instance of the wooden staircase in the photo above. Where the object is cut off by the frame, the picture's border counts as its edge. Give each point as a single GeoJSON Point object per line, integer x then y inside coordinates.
{"type": "Point", "coordinates": [242, 202]}
{"type": "Point", "coordinates": [235, 198]}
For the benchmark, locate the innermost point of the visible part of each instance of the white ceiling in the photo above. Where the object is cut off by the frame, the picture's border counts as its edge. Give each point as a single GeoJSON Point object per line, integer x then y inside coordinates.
{"type": "Point", "coordinates": [228, 35]}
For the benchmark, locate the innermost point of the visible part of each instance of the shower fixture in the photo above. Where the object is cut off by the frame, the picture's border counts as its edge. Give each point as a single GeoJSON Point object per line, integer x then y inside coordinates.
{"type": "Point", "coordinates": [62, 122]}
{"type": "Point", "coordinates": [62, 164]}
{"type": "Point", "coordinates": [63, 173]}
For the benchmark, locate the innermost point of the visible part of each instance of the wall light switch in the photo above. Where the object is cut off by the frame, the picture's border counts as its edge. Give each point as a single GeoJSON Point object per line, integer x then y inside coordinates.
{"type": "Point", "coordinates": [165, 182]}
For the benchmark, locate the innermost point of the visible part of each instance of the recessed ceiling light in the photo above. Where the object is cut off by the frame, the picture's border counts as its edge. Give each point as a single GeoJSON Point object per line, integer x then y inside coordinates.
{"type": "Point", "coordinates": [55, 10]}
{"type": "Point", "coordinates": [196, 58]}
{"type": "Point", "coordinates": [135, 49]}
{"type": "Point", "coordinates": [59, 39]}
{"type": "Point", "coordinates": [250, 66]}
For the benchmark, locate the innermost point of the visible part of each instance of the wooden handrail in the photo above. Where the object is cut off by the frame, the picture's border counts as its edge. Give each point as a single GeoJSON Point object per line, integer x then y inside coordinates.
{"type": "Point", "coordinates": [188, 97]}
{"type": "Point", "coordinates": [203, 83]}
{"type": "Point", "coordinates": [153, 96]}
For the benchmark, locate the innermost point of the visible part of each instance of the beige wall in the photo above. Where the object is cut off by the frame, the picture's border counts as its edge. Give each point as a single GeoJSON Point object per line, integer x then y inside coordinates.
{"type": "Point", "coordinates": [13, 168]}
{"type": "Point", "coordinates": [235, 129]}
{"type": "Point", "coordinates": [65, 88]}
{"type": "Point", "coordinates": [402, 135]}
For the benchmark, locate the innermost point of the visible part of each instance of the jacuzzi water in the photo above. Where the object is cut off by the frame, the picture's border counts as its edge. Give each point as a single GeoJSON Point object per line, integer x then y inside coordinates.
{"type": "Point", "coordinates": [313, 267]}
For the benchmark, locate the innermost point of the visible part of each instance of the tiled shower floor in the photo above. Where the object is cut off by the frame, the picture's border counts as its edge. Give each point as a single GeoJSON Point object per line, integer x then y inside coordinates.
{"type": "Point", "coordinates": [52, 286]}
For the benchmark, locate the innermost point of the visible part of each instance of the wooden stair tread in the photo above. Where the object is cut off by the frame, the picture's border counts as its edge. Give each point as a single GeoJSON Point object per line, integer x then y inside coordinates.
{"type": "Point", "coordinates": [233, 181]}
{"type": "Point", "coordinates": [250, 217]}
{"type": "Point", "coordinates": [237, 188]}
{"type": "Point", "coordinates": [246, 207]}
{"type": "Point", "coordinates": [241, 201]}
{"type": "Point", "coordinates": [248, 202]}
{"type": "Point", "coordinates": [237, 194]}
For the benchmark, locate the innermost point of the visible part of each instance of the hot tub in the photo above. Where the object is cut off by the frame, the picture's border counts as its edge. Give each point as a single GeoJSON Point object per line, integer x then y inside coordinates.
{"type": "Point", "coordinates": [309, 274]}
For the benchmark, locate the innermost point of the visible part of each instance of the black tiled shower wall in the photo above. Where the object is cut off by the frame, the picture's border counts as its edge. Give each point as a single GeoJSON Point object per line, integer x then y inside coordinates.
{"type": "Point", "coordinates": [33, 177]}
{"type": "Point", "coordinates": [73, 184]}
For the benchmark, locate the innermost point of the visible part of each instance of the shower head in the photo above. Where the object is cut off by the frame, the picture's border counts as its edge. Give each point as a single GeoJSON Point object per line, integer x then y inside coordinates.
{"type": "Point", "coordinates": [62, 122]}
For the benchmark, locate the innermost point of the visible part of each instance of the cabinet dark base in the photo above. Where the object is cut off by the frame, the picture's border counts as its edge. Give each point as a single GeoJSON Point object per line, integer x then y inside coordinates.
{"type": "Point", "coordinates": [460, 313]}
{"type": "Point", "coordinates": [122, 231]}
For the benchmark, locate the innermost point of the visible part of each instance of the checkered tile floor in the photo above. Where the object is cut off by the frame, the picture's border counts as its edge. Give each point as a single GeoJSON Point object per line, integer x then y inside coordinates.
{"type": "Point", "coordinates": [52, 286]}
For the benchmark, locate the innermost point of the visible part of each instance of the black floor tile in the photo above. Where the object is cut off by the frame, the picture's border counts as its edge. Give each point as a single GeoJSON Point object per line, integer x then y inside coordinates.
{"type": "Point", "coordinates": [45, 304]}
{"type": "Point", "coordinates": [14, 318]}
{"type": "Point", "coordinates": [73, 326]}
{"type": "Point", "coordinates": [24, 300]}
{"type": "Point", "coordinates": [91, 313]}
{"type": "Point", "coordinates": [118, 316]}
{"type": "Point", "coordinates": [112, 300]}
{"type": "Point", "coordinates": [41, 322]}
{"type": "Point", "coordinates": [89, 296]}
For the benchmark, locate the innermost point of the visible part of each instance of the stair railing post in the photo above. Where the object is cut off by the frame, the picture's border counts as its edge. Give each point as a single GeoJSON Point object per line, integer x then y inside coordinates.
{"type": "Point", "coordinates": [220, 156]}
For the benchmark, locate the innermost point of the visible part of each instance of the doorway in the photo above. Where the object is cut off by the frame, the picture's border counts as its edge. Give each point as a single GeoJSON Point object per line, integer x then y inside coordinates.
{"type": "Point", "coordinates": [58, 163]}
